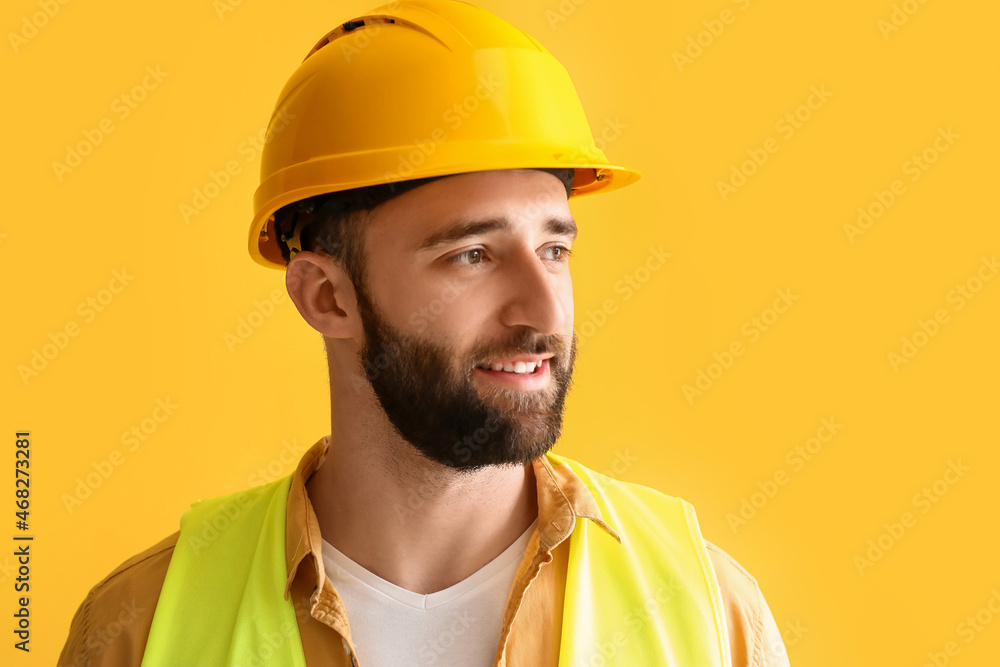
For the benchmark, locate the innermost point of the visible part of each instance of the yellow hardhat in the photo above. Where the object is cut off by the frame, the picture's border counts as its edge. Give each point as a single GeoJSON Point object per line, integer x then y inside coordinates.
{"type": "Point", "coordinates": [416, 89]}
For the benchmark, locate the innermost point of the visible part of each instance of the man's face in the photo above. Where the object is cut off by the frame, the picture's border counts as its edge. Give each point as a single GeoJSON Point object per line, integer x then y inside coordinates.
{"type": "Point", "coordinates": [434, 315]}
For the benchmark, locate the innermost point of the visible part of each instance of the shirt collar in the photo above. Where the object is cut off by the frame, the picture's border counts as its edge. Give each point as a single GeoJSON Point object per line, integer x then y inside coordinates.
{"type": "Point", "coordinates": [562, 498]}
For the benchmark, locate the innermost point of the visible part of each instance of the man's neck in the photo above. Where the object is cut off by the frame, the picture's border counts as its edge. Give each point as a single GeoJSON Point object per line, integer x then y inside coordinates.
{"type": "Point", "coordinates": [410, 521]}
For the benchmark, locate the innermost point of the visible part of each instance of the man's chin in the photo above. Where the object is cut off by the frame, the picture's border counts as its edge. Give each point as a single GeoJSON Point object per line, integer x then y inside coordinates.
{"type": "Point", "coordinates": [522, 400]}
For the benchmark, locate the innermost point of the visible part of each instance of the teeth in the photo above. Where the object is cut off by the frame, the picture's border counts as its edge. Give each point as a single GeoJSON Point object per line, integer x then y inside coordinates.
{"type": "Point", "coordinates": [521, 368]}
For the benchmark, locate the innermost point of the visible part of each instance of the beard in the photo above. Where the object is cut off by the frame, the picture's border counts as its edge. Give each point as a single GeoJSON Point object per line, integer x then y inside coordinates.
{"type": "Point", "coordinates": [429, 394]}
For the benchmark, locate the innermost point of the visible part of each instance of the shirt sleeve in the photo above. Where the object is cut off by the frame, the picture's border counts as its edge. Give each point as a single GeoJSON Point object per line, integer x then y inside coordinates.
{"type": "Point", "coordinates": [110, 627]}
{"type": "Point", "coordinates": [754, 639]}
{"type": "Point", "coordinates": [775, 654]}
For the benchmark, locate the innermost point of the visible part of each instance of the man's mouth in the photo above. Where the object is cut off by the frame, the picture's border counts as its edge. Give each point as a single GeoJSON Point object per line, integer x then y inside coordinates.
{"type": "Point", "coordinates": [518, 368]}
{"type": "Point", "coordinates": [523, 364]}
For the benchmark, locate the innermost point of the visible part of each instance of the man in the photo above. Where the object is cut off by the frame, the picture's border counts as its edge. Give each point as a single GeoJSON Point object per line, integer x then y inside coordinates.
{"type": "Point", "coordinates": [433, 525]}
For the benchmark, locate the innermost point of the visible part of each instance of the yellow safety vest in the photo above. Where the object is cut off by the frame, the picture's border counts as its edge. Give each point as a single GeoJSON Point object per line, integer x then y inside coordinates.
{"type": "Point", "coordinates": [652, 600]}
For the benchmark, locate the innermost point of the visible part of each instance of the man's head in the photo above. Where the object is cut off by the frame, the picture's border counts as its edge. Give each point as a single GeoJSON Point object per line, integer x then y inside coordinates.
{"type": "Point", "coordinates": [417, 311]}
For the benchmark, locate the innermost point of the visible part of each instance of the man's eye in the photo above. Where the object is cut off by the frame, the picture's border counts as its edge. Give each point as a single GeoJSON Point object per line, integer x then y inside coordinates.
{"type": "Point", "coordinates": [478, 252]}
{"type": "Point", "coordinates": [563, 253]}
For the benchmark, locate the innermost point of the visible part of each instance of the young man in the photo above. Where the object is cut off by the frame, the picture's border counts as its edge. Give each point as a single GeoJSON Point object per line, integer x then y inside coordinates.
{"type": "Point", "coordinates": [433, 525]}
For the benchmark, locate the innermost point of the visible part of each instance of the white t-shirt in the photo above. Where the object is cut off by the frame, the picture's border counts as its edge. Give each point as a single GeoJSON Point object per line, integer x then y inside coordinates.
{"type": "Point", "coordinates": [455, 627]}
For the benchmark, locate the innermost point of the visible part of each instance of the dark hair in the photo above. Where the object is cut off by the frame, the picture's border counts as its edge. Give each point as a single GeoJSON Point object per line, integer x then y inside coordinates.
{"type": "Point", "coordinates": [335, 222]}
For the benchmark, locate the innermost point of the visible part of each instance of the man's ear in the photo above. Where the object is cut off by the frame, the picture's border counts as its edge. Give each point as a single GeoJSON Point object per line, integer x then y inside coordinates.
{"type": "Point", "coordinates": [324, 295]}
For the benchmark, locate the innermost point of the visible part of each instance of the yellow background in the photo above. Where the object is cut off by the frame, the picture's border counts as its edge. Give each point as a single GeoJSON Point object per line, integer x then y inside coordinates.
{"type": "Point", "coordinates": [684, 125]}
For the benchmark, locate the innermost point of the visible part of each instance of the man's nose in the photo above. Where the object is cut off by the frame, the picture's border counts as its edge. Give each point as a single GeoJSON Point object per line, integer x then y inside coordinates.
{"type": "Point", "coordinates": [536, 295]}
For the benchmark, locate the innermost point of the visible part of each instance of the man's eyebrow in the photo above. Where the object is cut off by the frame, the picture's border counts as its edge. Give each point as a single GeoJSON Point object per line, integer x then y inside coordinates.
{"type": "Point", "coordinates": [463, 229]}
